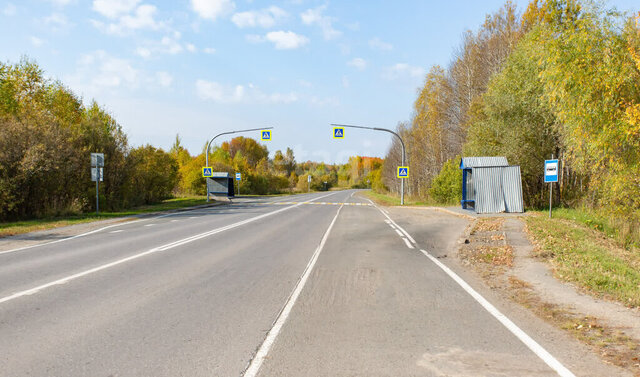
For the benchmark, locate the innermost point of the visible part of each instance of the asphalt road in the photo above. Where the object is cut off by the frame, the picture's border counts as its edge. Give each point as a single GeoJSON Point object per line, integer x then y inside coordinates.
{"type": "Point", "coordinates": [321, 284]}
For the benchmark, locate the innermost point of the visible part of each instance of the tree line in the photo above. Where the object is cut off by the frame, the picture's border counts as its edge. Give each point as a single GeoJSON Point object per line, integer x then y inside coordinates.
{"type": "Point", "coordinates": [561, 79]}
{"type": "Point", "coordinates": [47, 134]}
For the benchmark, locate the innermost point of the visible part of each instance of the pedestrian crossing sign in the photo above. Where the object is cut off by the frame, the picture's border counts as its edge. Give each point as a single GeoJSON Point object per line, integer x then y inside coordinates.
{"type": "Point", "coordinates": [207, 171]}
{"type": "Point", "coordinates": [266, 135]}
{"type": "Point", "coordinates": [338, 133]}
{"type": "Point", "coordinates": [403, 172]}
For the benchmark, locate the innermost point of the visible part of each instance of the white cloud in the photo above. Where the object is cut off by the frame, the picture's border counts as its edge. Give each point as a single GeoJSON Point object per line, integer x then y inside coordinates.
{"type": "Point", "coordinates": [229, 94]}
{"type": "Point", "coordinates": [60, 3]}
{"type": "Point", "coordinates": [114, 8]}
{"type": "Point", "coordinates": [212, 9]}
{"type": "Point", "coordinates": [126, 16]}
{"type": "Point", "coordinates": [209, 50]}
{"type": "Point", "coordinates": [37, 42]}
{"type": "Point", "coordinates": [357, 63]}
{"type": "Point", "coordinates": [99, 71]}
{"type": "Point", "coordinates": [265, 18]}
{"type": "Point", "coordinates": [143, 51]}
{"type": "Point", "coordinates": [403, 70]}
{"type": "Point", "coordinates": [345, 82]}
{"type": "Point", "coordinates": [169, 44]}
{"type": "Point", "coordinates": [305, 84]}
{"type": "Point", "coordinates": [10, 10]}
{"type": "Point", "coordinates": [286, 40]}
{"type": "Point", "coordinates": [377, 44]}
{"type": "Point", "coordinates": [315, 17]}
{"type": "Point", "coordinates": [56, 21]}
{"type": "Point", "coordinates": [164, 78]}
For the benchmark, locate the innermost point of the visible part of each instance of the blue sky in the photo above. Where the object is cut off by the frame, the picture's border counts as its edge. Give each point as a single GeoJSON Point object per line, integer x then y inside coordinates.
{"type": "Point", "coordinates": [201, 67]}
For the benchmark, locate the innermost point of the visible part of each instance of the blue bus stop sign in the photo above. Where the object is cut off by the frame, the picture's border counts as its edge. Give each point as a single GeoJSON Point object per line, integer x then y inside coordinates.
{"type": "Point", "coordinates": [550, 171]}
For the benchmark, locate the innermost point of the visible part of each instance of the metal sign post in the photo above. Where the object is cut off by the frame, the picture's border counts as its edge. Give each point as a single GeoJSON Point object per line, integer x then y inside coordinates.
{"type": "Point", "coordinates": [238, 178]}
{"type": "Point", "coordinates": [338, 126]}
{"type": "Point", "coordinates": [309, 183]}
{"type": "Point", "coordinates": [550, 176]}
{"type": "Point", "coordinates": [206, 153]}
{"type": "Point", "coordinates": [97, 163]}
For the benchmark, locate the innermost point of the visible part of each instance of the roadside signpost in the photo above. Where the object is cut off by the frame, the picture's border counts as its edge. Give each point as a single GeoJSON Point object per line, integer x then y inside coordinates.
{"type": "Point", "coordinates": [550, 176]}
{"type": "Point", "coordinates": [403, 172]}
{"type": "Point", "coordinates": [207, 172]}
{"type": "Point", "coordinates": [339, 129]}
{"type": "Point", "coordinates": [97, 175]}
{"type": "Point", "coordinates": [309, 183]}
{"type": "Point", "coordinates": [238, 178]}
{"type": "Point", "coordinates": [264, 135]}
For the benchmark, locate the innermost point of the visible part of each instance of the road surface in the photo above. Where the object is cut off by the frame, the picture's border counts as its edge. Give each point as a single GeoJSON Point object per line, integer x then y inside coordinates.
{"type": "Point", "coordinates": [321, 284]}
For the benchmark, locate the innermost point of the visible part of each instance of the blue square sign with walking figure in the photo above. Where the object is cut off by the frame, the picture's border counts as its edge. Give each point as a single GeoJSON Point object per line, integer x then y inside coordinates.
{"type": "Point", "coordinates": [266, 135]}
{"type": "Point", "coordinates": [403, 172]}
{"type": "Point", "coordinates": [338, 133]}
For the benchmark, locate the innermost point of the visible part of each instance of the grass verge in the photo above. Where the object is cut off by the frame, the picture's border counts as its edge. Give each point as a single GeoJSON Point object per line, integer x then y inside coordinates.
{"type": "Point", "coordinates": [19, 227]}
{"type": "Point", "coordinates": [587, 257]}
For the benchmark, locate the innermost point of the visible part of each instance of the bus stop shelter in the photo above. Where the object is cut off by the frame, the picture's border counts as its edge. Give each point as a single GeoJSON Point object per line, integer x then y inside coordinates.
{"type": "Point", "coordinates": [221, 184]}
{"type": "Point", "coordinates": [491, 185]}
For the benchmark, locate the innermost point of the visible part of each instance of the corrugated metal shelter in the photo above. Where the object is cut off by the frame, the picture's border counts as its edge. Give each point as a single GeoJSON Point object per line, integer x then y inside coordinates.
{"type": "Point", "coordinates": [490, 185]}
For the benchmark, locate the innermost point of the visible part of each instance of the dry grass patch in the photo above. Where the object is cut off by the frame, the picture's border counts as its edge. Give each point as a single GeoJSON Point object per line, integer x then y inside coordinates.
{"type": "Point", "coordinates": [610, 343]}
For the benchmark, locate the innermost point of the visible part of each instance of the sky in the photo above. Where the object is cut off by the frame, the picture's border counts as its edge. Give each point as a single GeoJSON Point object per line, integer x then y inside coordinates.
{"type": "Point", "coordinates": [197, 68]}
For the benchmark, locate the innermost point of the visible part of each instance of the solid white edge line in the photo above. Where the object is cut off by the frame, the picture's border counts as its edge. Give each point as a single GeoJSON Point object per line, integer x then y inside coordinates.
{"type": "Point", "coordinates": [409, 245]}
{"type": "Point", "coordinates": [536, 348]}
{"type": "Point", "coordinates": [151, 251]}
{"type": "Point", "coordinates": [543, 354]}
{"type": "Point", "coordinates": [255, 364]}
{"type": "Point", "coordinates": [390, 222]}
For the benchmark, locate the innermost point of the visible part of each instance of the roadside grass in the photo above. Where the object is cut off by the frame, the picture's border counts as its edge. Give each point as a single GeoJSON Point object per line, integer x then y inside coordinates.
{"type": "Point", "coordinates": [590, 258]}
{"type": "Point", "coordinates": [610, 343]}
{"type": "Point", "coordinates": [26, 226]}
{"type": "Point", "coordinates": [392, 200]}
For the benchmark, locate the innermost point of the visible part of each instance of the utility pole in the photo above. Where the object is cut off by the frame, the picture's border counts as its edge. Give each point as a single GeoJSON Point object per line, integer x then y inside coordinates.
{"type": "Point", "coordinates": [401, 143]}
{"type": "Point", "coordinates": [206, 153]}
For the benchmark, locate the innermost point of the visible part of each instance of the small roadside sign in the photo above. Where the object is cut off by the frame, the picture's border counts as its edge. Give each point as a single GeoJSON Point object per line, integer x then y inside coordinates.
{"type": "Point", "coordinates": [94, 174]}
{"type": "Point", "coordinates": [265, 135]}
{"type": "Point", "coordinates": [309, 178]}
{"type": "Point", "coordinates": [207, 171]}
{"type": "Point", "coordinates": [550, 171]}
{"type": "Point", "coordinates": [338, 132]}
{"type": "Point", "coordinates": [403, 172]}
{"type": "Point", "coordinates": [97, 159]}
{"type": "Point", "coordinates": [238, 176]}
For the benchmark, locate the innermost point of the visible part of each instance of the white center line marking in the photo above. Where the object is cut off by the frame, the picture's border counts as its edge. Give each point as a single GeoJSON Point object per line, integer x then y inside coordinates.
{"type": "Point", "coordinates": [263, 351]}
{"type": "Point", "coordinates": [176, 220]}
{"type": "Point", "coordinates": [116, 231]}
{"type": "Point", "coordinates": [151, 251]}
{"type": "Point", "coordinates": [150, 224]}
{"type": "Point", "coordinates": [399, 233]}
{"type": "Point", "coordinates": [409, 245]}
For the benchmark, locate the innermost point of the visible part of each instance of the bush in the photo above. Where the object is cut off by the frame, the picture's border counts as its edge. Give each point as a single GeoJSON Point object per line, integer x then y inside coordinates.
{"type": "Point", "coordinates": [446, 187]}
